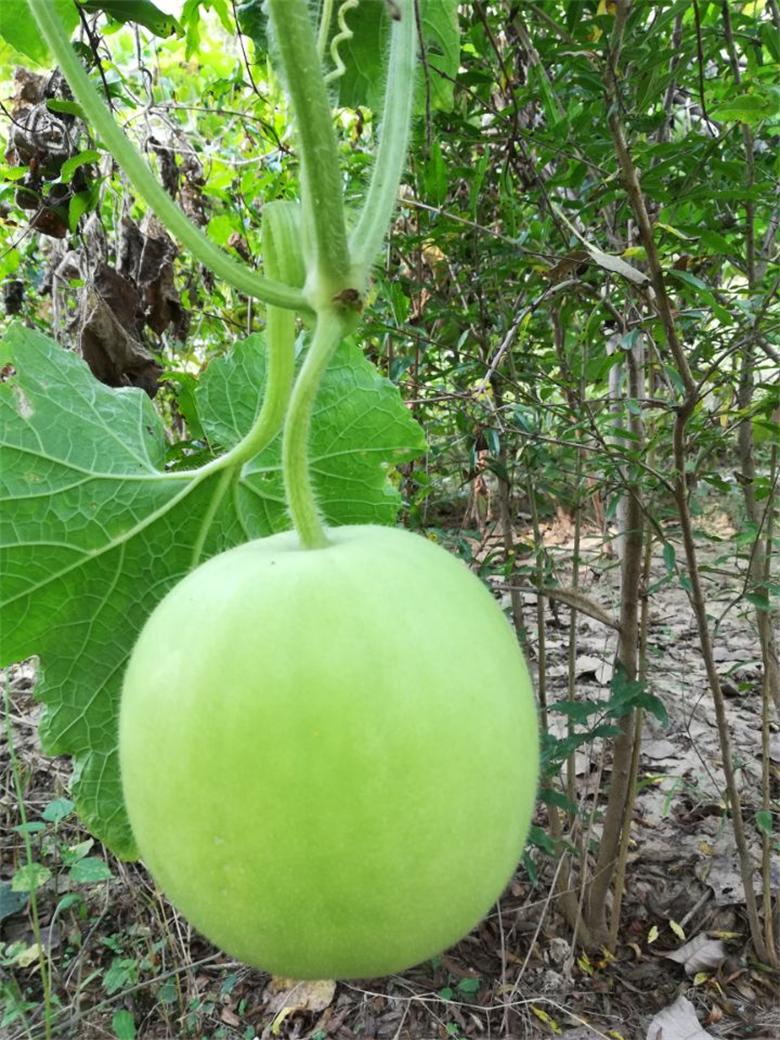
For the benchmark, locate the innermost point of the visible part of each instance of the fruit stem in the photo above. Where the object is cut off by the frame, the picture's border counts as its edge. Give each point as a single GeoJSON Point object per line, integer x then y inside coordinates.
{"type": "Point", "coordinates": [332, 325]}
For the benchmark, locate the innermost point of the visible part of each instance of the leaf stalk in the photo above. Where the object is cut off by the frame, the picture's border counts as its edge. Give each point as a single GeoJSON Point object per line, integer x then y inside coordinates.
{"type": "Point", "coordinates": [379, 204]}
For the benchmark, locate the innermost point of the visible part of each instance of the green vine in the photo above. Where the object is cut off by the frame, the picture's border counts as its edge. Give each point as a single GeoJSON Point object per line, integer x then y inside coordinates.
{"type": "Point", "coordinates": [379, 204]}
{"type": "Point", "coordinates": [321, 181]}
{"type": "Point", "coordinates": [325, 20]}
{"type": "Point", "coordinates": [283, 260]}
{"type": "Point", "coordinates": [332, 326]}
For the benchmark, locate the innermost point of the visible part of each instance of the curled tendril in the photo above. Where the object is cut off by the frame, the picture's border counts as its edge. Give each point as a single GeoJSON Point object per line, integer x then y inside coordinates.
{"type": "Point", "coordinates": [344, 34]}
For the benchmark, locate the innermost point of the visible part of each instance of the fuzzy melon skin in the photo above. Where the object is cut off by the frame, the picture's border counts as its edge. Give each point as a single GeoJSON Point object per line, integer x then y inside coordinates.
{"type": "Point", "coordinates": [329, 757]}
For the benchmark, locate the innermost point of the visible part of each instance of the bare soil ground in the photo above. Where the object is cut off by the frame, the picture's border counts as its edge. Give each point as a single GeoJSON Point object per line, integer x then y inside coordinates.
{"type": "Point", "coordinates": [123, 964]}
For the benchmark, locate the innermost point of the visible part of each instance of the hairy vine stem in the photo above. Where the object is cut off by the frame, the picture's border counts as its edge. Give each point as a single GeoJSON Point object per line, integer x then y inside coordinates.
{"type": "Point", "coordinates": [326, 16]}
{"type": "Point", "coordinates": [336, 271]}
{"type": "Point", "coordinates": [368, 234]}
{"type": "Point", "coordinates": [321, 181]}
{"type": "Point", "coordinates": [281, 249]}
{"type": "Point", "coordinates": [332, 326]}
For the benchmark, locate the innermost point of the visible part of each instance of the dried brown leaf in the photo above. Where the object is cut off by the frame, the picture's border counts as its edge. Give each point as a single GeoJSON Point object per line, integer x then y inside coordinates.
{"type": "Point", "coordinates": [699, 954]}
{"type": "Point", "coordinates": [295, 995]}
{"type": "Point", "coordinates": [677, 1022]}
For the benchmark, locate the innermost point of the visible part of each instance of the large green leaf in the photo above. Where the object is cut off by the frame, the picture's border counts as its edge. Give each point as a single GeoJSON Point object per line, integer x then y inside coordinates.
{"type": "Point", "coordinates": [357, 429]}
{"type": "Point", "coordinates": [364, 55]}
{"type": "Point", "coordinates": [93, 532]}
{"type": "Point", "coordinates": [141, 12]}
{"type": "Point", "coordinates": [252, 22]}
{"type": "Point", "coordinates": [19, 29]}
{"type": "Point", "coordinates": [748, 108]}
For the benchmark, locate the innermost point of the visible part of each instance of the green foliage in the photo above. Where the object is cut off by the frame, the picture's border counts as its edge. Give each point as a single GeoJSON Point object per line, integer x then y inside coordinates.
{"type": "Point", "coordinates": [252, 23]}
{"type": "Point", "coordinates": [123, 1025]}
{"type": "Point", "coordinates": [141, 12]}
{"type": "Point", "coordinates": [19, 30]}
{"type": "Point", "coordinates": [55, 871]}
{"type": "Point", "coordinates": [12, 900]}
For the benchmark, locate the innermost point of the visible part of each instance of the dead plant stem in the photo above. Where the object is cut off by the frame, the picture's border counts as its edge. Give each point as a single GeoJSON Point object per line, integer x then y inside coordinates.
{"type": "Point", "coordinates": [619, 811]}
{"type": "Point", "coordinates": [625, 837]}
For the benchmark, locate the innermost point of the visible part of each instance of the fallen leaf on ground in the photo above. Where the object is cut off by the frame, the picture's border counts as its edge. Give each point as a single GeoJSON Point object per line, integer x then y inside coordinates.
{"type": "Point", "coordinates": [230, 1018]}
{"type": "Point", "coordinates": [588, 665]}
{"type": "Point", "coordinates": [677, 1022]}
{"type": "Point", "coordinates": [720, 871]}
{"type": "Point", "coordinates": [294, 995]}
{"type": "Point", "coordinates": [700, 954]}
{"type": "Point", "coordinates": [291, 997]}
{"type": "Point", "coordinates": [660, 749]}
